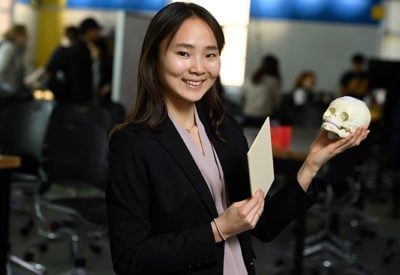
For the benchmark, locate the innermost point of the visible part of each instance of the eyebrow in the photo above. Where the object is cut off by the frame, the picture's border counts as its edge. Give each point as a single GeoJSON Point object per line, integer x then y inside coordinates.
{"type": "Point", "coordinates": [190, 46]}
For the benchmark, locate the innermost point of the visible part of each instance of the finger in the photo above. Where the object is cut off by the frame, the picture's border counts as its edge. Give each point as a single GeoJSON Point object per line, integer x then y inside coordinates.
{"type": "Point", "coordinates": [352, 140]}
{"type": "Point", "coordinates": [359, 135]}
{"type": "Point", "coordinates": [253, 205]}
{"type": "Point", "coordinates": [257, 211]}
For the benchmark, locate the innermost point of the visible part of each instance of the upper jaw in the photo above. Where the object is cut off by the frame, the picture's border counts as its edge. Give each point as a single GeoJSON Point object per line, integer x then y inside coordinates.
{"type": "Point", "coordinates": [194, 83]}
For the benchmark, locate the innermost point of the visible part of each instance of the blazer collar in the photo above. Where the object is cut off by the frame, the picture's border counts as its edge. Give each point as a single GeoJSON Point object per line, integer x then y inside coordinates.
{"type": "Point", "coordinates": [169, 137]}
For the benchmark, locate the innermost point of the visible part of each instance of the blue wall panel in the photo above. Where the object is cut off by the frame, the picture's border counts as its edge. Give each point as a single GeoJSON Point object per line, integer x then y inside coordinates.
{"type": "Point", "coordinates": [346, 11]}
{"type": "Point", "coordinates": [24, 1]}
{"type": "Point", "coordinates": [145, 5]}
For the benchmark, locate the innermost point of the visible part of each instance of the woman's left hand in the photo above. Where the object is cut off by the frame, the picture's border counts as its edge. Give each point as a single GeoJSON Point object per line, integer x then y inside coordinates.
{"type": "Point", "coordinates": [323, 149]}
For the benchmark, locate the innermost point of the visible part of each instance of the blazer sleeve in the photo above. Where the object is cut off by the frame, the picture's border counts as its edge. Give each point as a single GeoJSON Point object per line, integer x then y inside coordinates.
{"type": "Point", "coordinates": [283, 207]}
{"type": "Point", "coordinates": [135, 248]}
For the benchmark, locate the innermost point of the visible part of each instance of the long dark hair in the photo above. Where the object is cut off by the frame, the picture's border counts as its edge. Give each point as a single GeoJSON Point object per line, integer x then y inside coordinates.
{"type": "Point", "coordinates": [269, 66]}
{"type": "Point", "coordinates": [149, 109]}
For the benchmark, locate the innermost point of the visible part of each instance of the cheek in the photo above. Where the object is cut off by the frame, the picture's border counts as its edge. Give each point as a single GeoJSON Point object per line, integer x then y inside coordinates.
{"type": "Point", "coordinates": [175, 67]}
{"type": "Point", "coordinates": [214, 69]}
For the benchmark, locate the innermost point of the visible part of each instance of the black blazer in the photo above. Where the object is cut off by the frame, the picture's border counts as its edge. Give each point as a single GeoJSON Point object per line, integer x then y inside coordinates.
{"type": "Point", "coordinates": [160, 207]}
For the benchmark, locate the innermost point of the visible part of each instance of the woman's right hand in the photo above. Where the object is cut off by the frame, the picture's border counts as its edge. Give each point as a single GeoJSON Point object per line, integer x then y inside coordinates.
{"type": "Point", "coordinates": [242, 215]}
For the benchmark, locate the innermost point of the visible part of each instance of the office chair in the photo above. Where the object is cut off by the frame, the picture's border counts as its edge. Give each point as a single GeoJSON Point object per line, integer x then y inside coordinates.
{"type": "Point", "coordinates": [76, 164]}
{"type": "Point", "coordinates": [23, 125]}
{"type": "Point", "coordinates": [85, 112]}
{"type": "Point", "coordinates": [22, 129]}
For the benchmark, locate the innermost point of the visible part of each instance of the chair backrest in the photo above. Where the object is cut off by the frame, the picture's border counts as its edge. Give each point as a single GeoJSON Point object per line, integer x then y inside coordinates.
{"type": "Point", "coordinates": [76, 151]}
{"type": "Point", "coordinates": [84, 112]}
{"type": "Point", "coordinates": [22, 128]}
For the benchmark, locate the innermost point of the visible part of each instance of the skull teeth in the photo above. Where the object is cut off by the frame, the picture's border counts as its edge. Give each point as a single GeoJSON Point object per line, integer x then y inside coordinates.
{"type": "Point", "coordinates": [337, 126]}
{"type": "Point", "coordinates": [334, 124]}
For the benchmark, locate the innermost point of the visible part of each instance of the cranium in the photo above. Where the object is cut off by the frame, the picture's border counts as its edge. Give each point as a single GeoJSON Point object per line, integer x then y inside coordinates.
{"type": "Point", "coordinates": [344, 115]}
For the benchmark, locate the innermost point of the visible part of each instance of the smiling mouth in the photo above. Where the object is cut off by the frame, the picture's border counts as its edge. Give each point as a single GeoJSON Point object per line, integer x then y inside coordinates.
{"type": "Point", "coordinates": [193, 83]}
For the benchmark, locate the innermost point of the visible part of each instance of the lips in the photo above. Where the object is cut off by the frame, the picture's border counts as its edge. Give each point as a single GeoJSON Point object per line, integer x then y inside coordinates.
{"type": "Point", "coordinates": [193, 83]}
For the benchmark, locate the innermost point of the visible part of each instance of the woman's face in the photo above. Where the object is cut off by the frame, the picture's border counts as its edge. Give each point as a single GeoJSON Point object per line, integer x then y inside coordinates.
{"type": "Point", "coordinates": [309, 82]}
{"type": "Point", "coordinates": [21, 39]}
{"type": "Point", "coordinates": [190, 63]}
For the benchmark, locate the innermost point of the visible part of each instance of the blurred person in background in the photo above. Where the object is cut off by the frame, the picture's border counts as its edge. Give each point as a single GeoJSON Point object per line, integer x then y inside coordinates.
{"type": "Point", "coordinates": [301, 106]}
{"type": "Point", "coordinates": [261, 92]}
{"type": "Point", "coordinates": [79, 65]}
{"type": "Point", "coordinates": [304, 88]}
{"type": "Point", "coordinates": [13, 63]}
{"type": "Point", "coordinates": [102, 68]}
{"type": "Point", "coordinates": [355, 82]}
{"type": "Point", "coordinates": [53, 75]}
{"type": "Point", "coordinates": [56, 65]}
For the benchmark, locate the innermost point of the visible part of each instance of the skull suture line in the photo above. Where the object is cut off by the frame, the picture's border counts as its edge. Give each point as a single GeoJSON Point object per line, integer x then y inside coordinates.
{"type": "Point", "coordinates": [344, 115]}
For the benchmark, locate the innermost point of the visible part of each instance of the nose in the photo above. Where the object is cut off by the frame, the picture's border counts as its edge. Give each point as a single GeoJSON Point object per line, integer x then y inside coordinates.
{"type": "Point", "coordinates": [197, 65]}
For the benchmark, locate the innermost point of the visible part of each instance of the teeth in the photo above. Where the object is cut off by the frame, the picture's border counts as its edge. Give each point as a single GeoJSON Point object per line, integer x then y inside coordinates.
{"type": "Point", "coordinates": [193, 83]}
{"type": "Point", "coordinates": [332, 123]}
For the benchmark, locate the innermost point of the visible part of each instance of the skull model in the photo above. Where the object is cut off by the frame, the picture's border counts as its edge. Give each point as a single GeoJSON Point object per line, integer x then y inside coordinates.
{"type": "Point", "coordinates": [344, 115]}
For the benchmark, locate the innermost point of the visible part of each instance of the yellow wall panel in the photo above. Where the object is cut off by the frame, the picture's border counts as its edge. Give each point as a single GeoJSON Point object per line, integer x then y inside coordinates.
{"type": "Point", "coordinates": [50, 28]}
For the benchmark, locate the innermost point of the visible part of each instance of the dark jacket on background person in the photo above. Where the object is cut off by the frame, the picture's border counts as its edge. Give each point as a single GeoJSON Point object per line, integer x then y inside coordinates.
{"type": "Point", "coordinates": [58, 82]}
{"type": "Point", "coordinates": [156, 169]}
{"type": "Point", "coordinates": [79, 73]}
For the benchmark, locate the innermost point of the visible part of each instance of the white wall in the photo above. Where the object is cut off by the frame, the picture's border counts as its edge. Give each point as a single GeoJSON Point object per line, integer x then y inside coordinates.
{"type": "Point", "coordinates": [130, 32]}
{"type": "Point", "coordinates": [324, 48]}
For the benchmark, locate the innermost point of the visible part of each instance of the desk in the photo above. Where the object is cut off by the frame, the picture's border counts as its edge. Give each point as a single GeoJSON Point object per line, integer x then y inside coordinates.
{"type": "Point", "coordinates": [6, 164]}
{"type": "Point", "coordinates": [298, 149]}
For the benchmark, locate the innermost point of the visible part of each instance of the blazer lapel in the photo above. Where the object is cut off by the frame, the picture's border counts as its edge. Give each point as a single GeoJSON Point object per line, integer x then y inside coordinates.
{"type": "Point", "coordinates": [169, 137]}
{"type": "Point", "coordinates": [236, 181]}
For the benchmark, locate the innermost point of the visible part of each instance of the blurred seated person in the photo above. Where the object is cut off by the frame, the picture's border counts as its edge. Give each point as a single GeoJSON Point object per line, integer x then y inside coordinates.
{"type": "Point", "coordinates": [301, 106]}
{"type": "Point", "coordinates": [355, 82]}
{"type": "Point", "coordinates": [261, 92]}
{"type": "Point", "coordinates": [303, 88]}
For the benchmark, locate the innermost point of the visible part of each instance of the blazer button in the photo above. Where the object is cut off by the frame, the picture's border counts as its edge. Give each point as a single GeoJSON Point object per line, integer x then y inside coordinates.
{"type": "Point", "coordinates": [251, 263]}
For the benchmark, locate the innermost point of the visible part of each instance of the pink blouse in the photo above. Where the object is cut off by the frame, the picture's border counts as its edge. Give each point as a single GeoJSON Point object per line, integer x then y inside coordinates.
{"type": "Point", "coordinates": [210, 168]}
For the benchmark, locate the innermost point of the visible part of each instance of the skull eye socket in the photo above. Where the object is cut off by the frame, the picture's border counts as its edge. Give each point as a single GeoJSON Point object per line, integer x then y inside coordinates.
{"type": "Point", "coordinates": [344, 116]}
{"type": "Point", "coordinates": [332, 110]}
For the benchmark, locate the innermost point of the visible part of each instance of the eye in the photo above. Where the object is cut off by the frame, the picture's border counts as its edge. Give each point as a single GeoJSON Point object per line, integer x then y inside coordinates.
{"type": "Point", "coordinates": [344, 116]}
{"type": "Point", "coordinates": [211, 55]}
{"type": "Point", "coordinates": [182, 53]}
{"type": "Point", "coordinates": [332, 111]}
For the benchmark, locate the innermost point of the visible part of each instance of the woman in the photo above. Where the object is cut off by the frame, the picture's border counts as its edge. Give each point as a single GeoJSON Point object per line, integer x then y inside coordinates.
{"type": "Point", "coordinates": [12, 62]}
{"type": "Point", "coordinates": [262, 92]}
{"type": "Point", "coordinates": [303, 88]}
{"type": "Point", "coordinates": [179, 198]}
{"type": "Point", "coordinates": [302, 107]}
